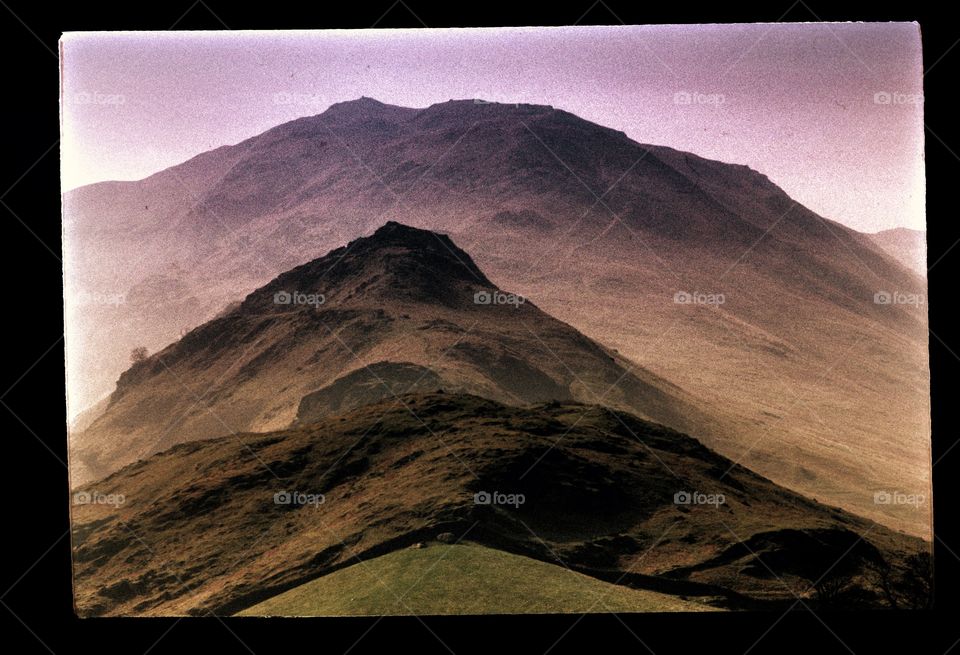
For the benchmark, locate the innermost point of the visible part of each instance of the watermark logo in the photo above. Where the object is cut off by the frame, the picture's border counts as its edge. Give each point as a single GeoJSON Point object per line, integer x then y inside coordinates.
{"type": "Point", "coordinates": [97, 498]}
{"type": "Point", "coordinates": [896, 98]}
{"type": "Point", "coordinates": [101, 299]}
{"type": "Point", "coordinates": [694, 98]}
{"type": "Point", "coordinates": [95, 98]}
{"type": "Point", "coordinates": [898, 298]}
{"type": "Point", "coordinates": [698, 498]}
{"type": "Point", "coordinates": [298, 498]}
{"type": "Point", "coordinates": [297, 298]}
{"type": "Point", "coordinates": [898, 498]}
{"type": "Point", "coordinates": [498, 298]}
{"type": "Point", "coordinates": [698, 298]}
{"type": "Point", "coordinates": [293, 98]}
{"type": "Point", "coordinates": [497, 498]}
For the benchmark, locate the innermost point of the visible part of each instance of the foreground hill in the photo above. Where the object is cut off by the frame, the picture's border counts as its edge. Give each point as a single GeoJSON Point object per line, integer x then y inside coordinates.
{"type": "Point", "coordinates": [202, 527]}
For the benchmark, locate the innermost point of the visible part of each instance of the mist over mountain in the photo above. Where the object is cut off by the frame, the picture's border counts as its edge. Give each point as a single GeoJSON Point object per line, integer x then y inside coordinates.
{"type": "Point", "coordinates": [402, 310]}
{"type": "Point", "coordinates": [909, 247]}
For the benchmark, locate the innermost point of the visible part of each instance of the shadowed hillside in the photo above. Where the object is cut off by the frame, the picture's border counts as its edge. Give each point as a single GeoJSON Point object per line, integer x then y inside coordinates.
{"type": "Point", "coordinates": [400, 311]}
{"type": "Point", "coordinates": [223, 524]}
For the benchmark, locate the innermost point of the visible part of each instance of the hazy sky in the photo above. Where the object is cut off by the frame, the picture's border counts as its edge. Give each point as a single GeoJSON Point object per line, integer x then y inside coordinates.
{"type": "Point", "coordinates": [831, 112]}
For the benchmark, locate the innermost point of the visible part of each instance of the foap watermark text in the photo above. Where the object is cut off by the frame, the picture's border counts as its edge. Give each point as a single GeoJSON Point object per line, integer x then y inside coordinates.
{"type": "Point", "coordinates": [498, 498]}
{"type": "Point", "coordinates": [298, 298]}
{"type": "Point", "coordinates": [497, 298]}
{"type": "Point", "coordinates": [97, 498]}
{"type": "Point", "coordinates": [298, 498]}
{"type": "Point", "coordinates": [698, 298]}
{"type": "Point", "coordinates": [698, 498]}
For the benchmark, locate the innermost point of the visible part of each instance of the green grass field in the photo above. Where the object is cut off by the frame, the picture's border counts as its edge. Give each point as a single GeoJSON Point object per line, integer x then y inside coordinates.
{"type": "Point", "coordinates": [461, 579]}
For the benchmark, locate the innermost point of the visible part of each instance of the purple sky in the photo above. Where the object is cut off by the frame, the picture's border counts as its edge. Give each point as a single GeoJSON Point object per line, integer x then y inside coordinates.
{"type": "Point", "coordinates": [798, 102]}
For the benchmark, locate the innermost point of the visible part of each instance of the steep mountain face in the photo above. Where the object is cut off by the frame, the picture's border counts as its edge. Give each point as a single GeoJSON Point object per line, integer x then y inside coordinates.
{"type": "Point", "coordinates": [223, 524]}
{"type": "Point", "coordinates": [909, 247]}
{"type": "Point", "coordinates": [704, 273]}
{"type": "Point", "coordinates": [400, 311]}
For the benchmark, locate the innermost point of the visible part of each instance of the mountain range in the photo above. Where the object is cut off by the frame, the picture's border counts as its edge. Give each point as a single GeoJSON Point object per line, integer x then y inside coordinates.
{"type": "Point", "coordinates": [712, 288]}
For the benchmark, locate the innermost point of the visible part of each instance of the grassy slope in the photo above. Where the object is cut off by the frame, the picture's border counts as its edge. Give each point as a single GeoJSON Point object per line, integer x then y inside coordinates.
{"type": "Point", "coordinates": [460, 579]}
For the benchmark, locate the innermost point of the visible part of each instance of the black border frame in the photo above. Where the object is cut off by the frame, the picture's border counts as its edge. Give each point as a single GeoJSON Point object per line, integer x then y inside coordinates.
{"type": "Point", "coordinates": [35, 583]}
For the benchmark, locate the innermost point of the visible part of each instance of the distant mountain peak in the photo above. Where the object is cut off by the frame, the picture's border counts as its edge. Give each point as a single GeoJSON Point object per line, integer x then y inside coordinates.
{"type": "Point", "coordinates": [362, 101]}
{"type": "Point", "coordinates": [479, 107]}
{"type": "Point", "coordinates": [364, 109]}
{"type": "Point", "coordinates": [906, 245]}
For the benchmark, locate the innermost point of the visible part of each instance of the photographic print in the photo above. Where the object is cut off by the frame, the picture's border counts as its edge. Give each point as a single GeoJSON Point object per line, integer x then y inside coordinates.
{"type": "Point", "coordinates": [496, 321]}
